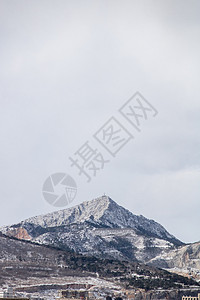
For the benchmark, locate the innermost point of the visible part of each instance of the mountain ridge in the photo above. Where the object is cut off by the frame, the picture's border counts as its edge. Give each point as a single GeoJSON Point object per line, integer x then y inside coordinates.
{"type": "Point", "coordinates": [104, 229]}
{"type": "Point", "coordinates": [102, 211]}
{"type": "Point", "coordinates": [38, 270]}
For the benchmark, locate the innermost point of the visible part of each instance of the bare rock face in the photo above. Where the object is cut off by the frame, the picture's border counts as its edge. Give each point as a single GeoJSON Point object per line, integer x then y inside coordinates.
{"type": "Point", "coordinates": [183, 260]}
{"type": "Point", "coordinates": [19, 233]}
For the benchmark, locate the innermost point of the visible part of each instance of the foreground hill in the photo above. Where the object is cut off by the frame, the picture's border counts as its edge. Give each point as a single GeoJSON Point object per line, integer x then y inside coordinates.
{"type": "Point", "coordinates": [22, 261]}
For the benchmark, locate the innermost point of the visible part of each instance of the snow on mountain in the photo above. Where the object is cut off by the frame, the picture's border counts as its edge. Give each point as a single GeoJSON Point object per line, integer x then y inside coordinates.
{"type": "Point", "coordinates": [99, 227]}
{"type": "Point", "coordinates": [185, 259]}
{"type": "Point", "coordinates": [104, 212]}
{"type": "Point", "coordinates": [104, 229]}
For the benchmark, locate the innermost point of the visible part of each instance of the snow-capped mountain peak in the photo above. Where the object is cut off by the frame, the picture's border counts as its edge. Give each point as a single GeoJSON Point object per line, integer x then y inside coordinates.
{"type": "Point", "coordinates": [85, 211]}
{"type": "Point", "coordinates": [98, 227]}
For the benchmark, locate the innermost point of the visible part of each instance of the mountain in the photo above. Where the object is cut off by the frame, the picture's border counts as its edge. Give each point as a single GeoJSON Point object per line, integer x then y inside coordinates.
{"type": "Point", "coordinates": [99, 227]}
{"type": "Point", "coordinates": [183, 260]}
{"type": "Point", "coordinates": [73, 245]}
{"type": "Point", "coordinates": [40, 271]}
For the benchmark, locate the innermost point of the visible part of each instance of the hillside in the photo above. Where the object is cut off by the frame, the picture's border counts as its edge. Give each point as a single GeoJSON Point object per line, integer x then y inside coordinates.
{"type": "Point", "coordinates": [99, 227]}
{"type": "Point", "coordinates": [97, 243]}
{"type": "Point", "coordinates": [183, 260]}
{"type": "Point", "coordinates": [26, 264]}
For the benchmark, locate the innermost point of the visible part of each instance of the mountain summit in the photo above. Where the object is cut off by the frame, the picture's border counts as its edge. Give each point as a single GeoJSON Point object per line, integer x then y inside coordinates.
{"type": "Point", "coordinates": [102, 212]}
{"type": "Point", "coordinates": [98, 227]}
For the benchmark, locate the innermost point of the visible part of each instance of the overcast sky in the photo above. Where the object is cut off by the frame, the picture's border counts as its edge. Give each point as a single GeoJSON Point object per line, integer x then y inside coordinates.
{"type": "Point", "coordinates": [66, 67]}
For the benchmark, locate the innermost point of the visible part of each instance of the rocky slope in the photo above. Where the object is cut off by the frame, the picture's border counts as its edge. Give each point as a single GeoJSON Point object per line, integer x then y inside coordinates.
{"type": "Point", "coordinates": [102, 228]}
{"type": "Point", "coordinates": [28, 267]}
{"type": "Point", "coordinates": [103, 212]}
{"type": "Point", "coordinates": [99, 227]}
{"type": "Point", "coordinates": [183, 260]}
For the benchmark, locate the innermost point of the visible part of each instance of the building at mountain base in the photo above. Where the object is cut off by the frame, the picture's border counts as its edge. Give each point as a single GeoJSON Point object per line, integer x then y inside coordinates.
{"type": "Point", "coordinates": [8, 294]}
{"type": "Point", "coordinates": [191, 298]}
